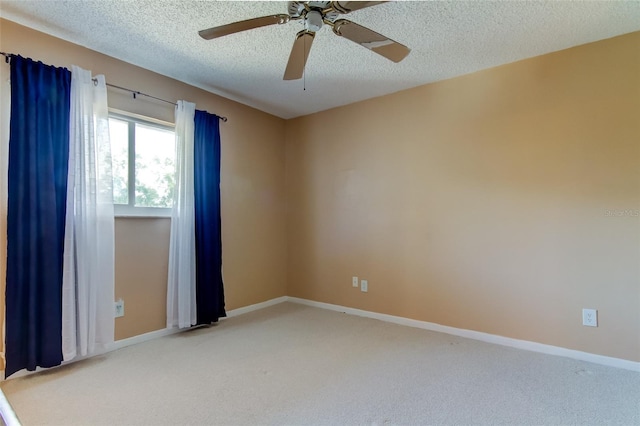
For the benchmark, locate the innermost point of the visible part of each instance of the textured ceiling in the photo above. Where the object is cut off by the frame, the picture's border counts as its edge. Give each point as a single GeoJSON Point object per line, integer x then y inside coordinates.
{"type": "Point", "coordinates": [447, 38]}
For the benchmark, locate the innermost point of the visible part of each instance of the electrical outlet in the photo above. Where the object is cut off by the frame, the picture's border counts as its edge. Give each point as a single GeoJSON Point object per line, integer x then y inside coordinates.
{"type": "Point", "coordinates": [119, 305]}
{"type": "Point", "coordinates": [590, 317]}
{"type": "Point", "coordinates": [364, 286]}
{"type": "Point", "coordinates": [354, 281]}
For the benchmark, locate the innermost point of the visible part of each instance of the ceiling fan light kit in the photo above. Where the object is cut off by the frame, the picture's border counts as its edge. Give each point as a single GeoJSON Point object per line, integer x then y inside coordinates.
{"type": "Point", "coordinates": [313, 21]}
{"type": "Point", "coordinates": [314, 14]}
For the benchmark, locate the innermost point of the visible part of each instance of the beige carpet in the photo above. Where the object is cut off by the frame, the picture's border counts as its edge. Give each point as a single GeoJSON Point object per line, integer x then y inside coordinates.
{"type": "Point", "coordinates": [296, 365]}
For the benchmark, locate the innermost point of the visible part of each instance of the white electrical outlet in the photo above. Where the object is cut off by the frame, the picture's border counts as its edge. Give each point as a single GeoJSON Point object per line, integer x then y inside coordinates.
{"type": "Point", "coordinates": [364, 286]}
{"type": "Point", "coordinates": [590, 317]}
{"type": "Point", "coordinates": [119, 305]}
{"type": "Point", "coordinates": [354, 281]}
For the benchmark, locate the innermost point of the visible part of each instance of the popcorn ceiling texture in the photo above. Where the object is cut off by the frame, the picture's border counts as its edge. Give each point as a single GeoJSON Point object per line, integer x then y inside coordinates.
{"type": "Point", "coordinates": [447, 38]}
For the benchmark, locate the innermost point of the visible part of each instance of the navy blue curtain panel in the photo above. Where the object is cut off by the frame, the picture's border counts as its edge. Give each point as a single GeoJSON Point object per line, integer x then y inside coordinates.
{"type": "Point", "coordinates": [206, 159]}
{"type": "Point", "coordinates": [37, 184]}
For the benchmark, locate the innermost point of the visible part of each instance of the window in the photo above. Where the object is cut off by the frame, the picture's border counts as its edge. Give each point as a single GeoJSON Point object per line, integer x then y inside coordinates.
{"type": "Point", "coordinates": [143, 160]}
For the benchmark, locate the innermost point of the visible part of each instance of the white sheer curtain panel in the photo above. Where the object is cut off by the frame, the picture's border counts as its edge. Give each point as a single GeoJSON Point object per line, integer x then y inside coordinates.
{"type": "Point", "coordinates": [181, 286]}
{"type": "Point", "coordinates": [88, 274]}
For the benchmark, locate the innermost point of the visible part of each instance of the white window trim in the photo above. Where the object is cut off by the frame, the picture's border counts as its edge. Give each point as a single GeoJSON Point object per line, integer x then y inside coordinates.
{"type": "Point", "coordinates": [129, 210]}
{"type": "Point", "coordinates": [148, 120]}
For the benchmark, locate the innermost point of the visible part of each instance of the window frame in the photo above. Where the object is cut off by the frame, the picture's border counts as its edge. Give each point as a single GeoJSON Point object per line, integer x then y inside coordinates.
{"type": "Point", "coordinates": [131, 210]}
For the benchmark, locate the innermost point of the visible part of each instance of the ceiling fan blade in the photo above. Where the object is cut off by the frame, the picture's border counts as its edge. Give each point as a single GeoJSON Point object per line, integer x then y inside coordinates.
{"type": "Point", "coordinates": [299, 55]}
{"type": "Point", "coordinates": [370, 39]}
{"type": "Point", "coordinates": [249, 24]}
{"type": "Point", "coordinates": [350, 6]}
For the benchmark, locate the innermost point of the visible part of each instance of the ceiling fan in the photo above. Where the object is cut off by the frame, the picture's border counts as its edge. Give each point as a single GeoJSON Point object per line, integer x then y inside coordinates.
{"type": "Point", "coordinates": [314, 14]}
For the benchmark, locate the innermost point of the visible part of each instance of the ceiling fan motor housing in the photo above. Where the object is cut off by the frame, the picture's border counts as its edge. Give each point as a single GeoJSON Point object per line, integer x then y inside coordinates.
{"type": "Point", "coordinates": [314, 13]}
{"type": "Point", "coordinates": [295, 9]}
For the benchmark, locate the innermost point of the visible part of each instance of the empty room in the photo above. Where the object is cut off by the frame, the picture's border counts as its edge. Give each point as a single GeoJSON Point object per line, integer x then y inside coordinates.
{"type": "Point", "coordinates": [320, 213]}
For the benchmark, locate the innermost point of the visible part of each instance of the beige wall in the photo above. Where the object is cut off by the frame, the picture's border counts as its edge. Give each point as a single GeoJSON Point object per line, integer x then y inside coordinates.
{"type": "Point", "coordinates": [252, 186]}
{"type": "Point", "coordinates": [141, 271]}
{"type": "Point", "coordinates": [481, 202]}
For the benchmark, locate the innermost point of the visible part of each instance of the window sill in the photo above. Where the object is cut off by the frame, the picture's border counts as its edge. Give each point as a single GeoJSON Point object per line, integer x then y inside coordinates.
{"type": "Point", "coordinates": [141, 212]}
{"type": "Point", "coordinates": [141, 216]}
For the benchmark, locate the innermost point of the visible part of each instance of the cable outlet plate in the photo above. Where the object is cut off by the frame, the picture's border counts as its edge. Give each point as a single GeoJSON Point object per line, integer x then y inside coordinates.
{"type": "Point", "coordinates": [590, 317]}
{"type": "Point", "coordinates": [119, 308]}
{"type": "Point", "coordinates": [354, 281]}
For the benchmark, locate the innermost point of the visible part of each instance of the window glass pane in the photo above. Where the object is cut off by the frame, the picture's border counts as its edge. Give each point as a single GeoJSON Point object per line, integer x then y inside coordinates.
{"type": "Point", "coordinates": [155, 152]}
{"type": "Point", "coordinates": [119, 135]}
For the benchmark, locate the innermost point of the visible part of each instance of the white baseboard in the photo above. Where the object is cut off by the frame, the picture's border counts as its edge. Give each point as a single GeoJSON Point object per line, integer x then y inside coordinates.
{"type": "Point", "coordinates": [246, 309]}
{"type": "Point", "coordinates": [119, 344]}
{"type": "Point", "coordinates": [477, 335]}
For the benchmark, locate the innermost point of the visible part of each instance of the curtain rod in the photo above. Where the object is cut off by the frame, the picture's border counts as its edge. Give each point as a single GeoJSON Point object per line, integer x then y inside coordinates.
{"type": "Point", "coordinates": [133, 92]}
{"type": "Point", "coordinates": [137, 93]}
